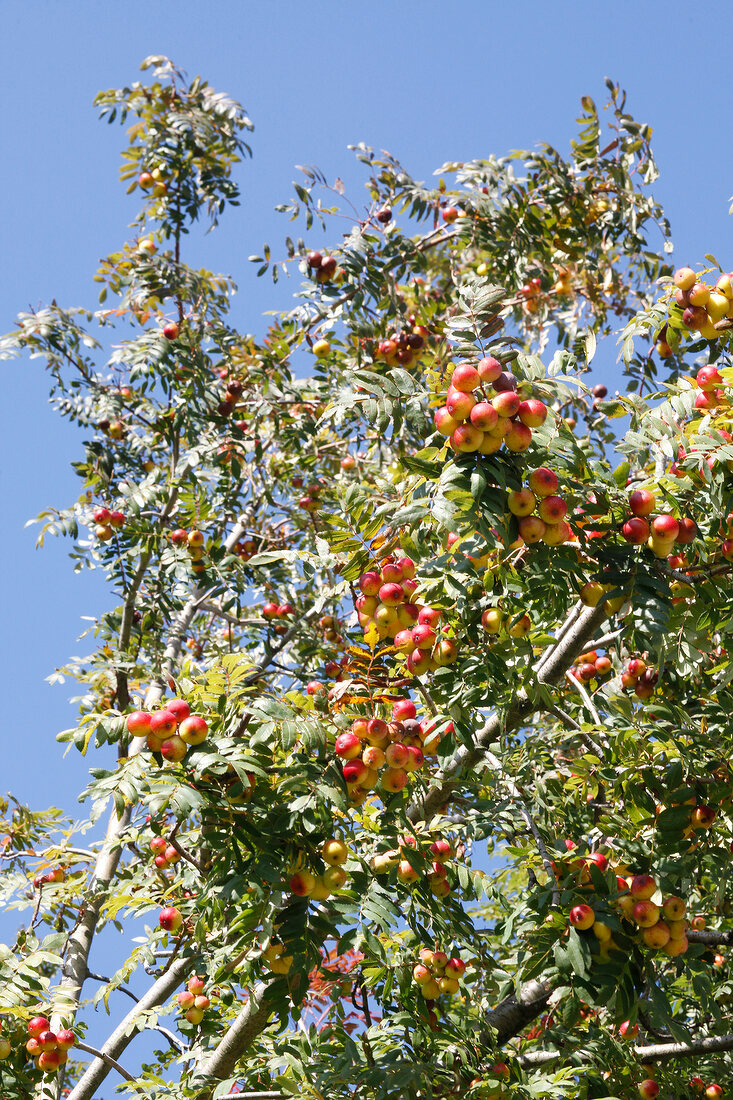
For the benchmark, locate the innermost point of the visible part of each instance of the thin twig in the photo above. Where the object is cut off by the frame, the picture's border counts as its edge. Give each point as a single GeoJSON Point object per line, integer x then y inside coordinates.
{"type": "Point", "coordinates": [208, 605]}
{"type": "Point", "coordinates": [121, 988]}
{"type": "Point", "coordinates": [184, 854]}
{"type": "Point", "coordinates": [174, 1042]}
{"type": "Point", "coordinates": [259, 669]}
{"type": "Point", "coordinates": [110, 1061]}
{"type": "Point", "coordinates": [604, 640]}
{"type": "Point", "coordinates": [559, 635]}
{"type": "Point", "coordinates": [580, 688]}
{"type": "Point", "coordinates": [657, 1052]}
{"type": "Point", "coordinates": [543, 852]}
{"type": "Point", "coordinates": [561, 714]}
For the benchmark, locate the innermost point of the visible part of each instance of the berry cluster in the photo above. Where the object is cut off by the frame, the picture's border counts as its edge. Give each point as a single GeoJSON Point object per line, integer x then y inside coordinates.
{"type": "Point", "coordinates": [590, 666]}
{"type": "Point", "coordinates": [662, 925]}
{"type": "Point", "coordinates": [664, 530]}
{"type": "Point", "coordinates": [169, 731]}
{"type": "Point", "coordinates": [107, 523]}
{"type": "Point", "coordinates": [436, 855]}
{"type": "Point", "coordinates": [496, 621]}
{"type": "Point", "coordinates": [231, 396]}
{"type": "Point", "coordinates": [385, 607]}
{"type": "Point", "coordinates": [593, 592]}
{"type": "Point", "coordinates": [329, 625]}
{"type": "Point", "coordinates": [194, 542]}
{"type": "Point", "coordinates": [48, 1050]}
{"type": "Point", "coordinates": [697, 1086]}
{"type": "Point", "coordinates": [482, 425]}
{"type": "Point", "coordinates": [276, 959]}
{"type": "Point", "coordinates": [549, 525]}
{"type": "Point", "coordinates": [437, 872]}
{"type": "Point", "coordinates": [165, 854]}
{"type": "Point", "coordinates": [56, 875]}
{"type": "Point", "coordinates": [436, 974]}
{"type": "Point", "coordinates": [153, 181]}
{"type": "Point", "coordinates": [703, 306]}
{"type": "Point", "coordinates": [394, 748]}
{"type": "Point", "coordinates": [278, 611]}
{"type": "Point", "coordinates": [335, 670]}
{"type": "Point", "coordinates": [311, 501]}
{"type": "Point", "coordinates": [325, 268]}
{"type": "Point", "coordinates": [114, 429]}
{"type": "Point", "coordinates": [246, 549]}
{"type": "Point", "coordinates": [192, 1001]}
{"type": "Point", "coordinates": [710, 460]}
{"type": "Point", "coordinates": [402, 349]}
{"type": "Point", "coordinates": [710, 394]}
{"type": "Point", "coordinates": [531, 292]}
{"type": "Point", "coordinates": [305, 884]}
{"type": "Point", "coordinates": [643, 680]}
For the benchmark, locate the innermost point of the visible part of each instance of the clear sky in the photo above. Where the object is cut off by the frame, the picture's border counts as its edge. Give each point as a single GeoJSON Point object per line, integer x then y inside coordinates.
{"type": "Point", "coordinates": [429, 81]}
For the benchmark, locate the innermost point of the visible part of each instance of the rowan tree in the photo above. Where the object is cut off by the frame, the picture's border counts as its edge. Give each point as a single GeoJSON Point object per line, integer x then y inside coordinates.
{"type": "Point", "coordinates": [411, 705]}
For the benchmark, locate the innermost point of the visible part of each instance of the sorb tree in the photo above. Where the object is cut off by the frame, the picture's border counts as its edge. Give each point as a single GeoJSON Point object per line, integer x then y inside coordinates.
{"type": "Point", "coordinates": [411, 707]}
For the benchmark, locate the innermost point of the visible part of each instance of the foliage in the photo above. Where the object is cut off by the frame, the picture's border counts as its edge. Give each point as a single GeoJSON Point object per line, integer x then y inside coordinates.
{"type": "Point", "coordinates": [235, 505]}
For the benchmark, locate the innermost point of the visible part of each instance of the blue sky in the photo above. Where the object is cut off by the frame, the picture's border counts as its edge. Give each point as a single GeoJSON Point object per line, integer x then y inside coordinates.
{"type": "Point", "coordinates": [430, 82]}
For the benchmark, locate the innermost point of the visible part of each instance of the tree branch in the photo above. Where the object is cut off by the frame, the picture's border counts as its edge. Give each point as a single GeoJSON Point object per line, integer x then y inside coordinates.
{"type": "Point", "coordinates": [662, 1052]}
{"type": "Point", "coordinates": [123, 1034]}
{"type": "Point", "coordinates": [657, 1052]}
{"type": "Point", "coordinates": [507, 1018]}
{"type": "Point", "coordinates": [604, 641]}
{"type": "Point", "coordinates": [570, 621]}
{"type": "Point", "coordinates": [222, 1061]}
{"type": "Point", "coordinates": [259, 669]}
{"type": "Point", "coordinates": [709, 935]}
{"type": "Point", "coordinates": [516, 1011]}
{"type": "Point", "coordinates": [251, 1096]}
{"type": "Point", "coordinates": [111, 1062]}
{"type": "Point", "coordinates": [79, 944]}
{"type": "Point", "coordinates": [552, 668]}
{"type": "Point", "coordinates": [128, 609]}
{"type": "Point", "coordinates": [209, 605]}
